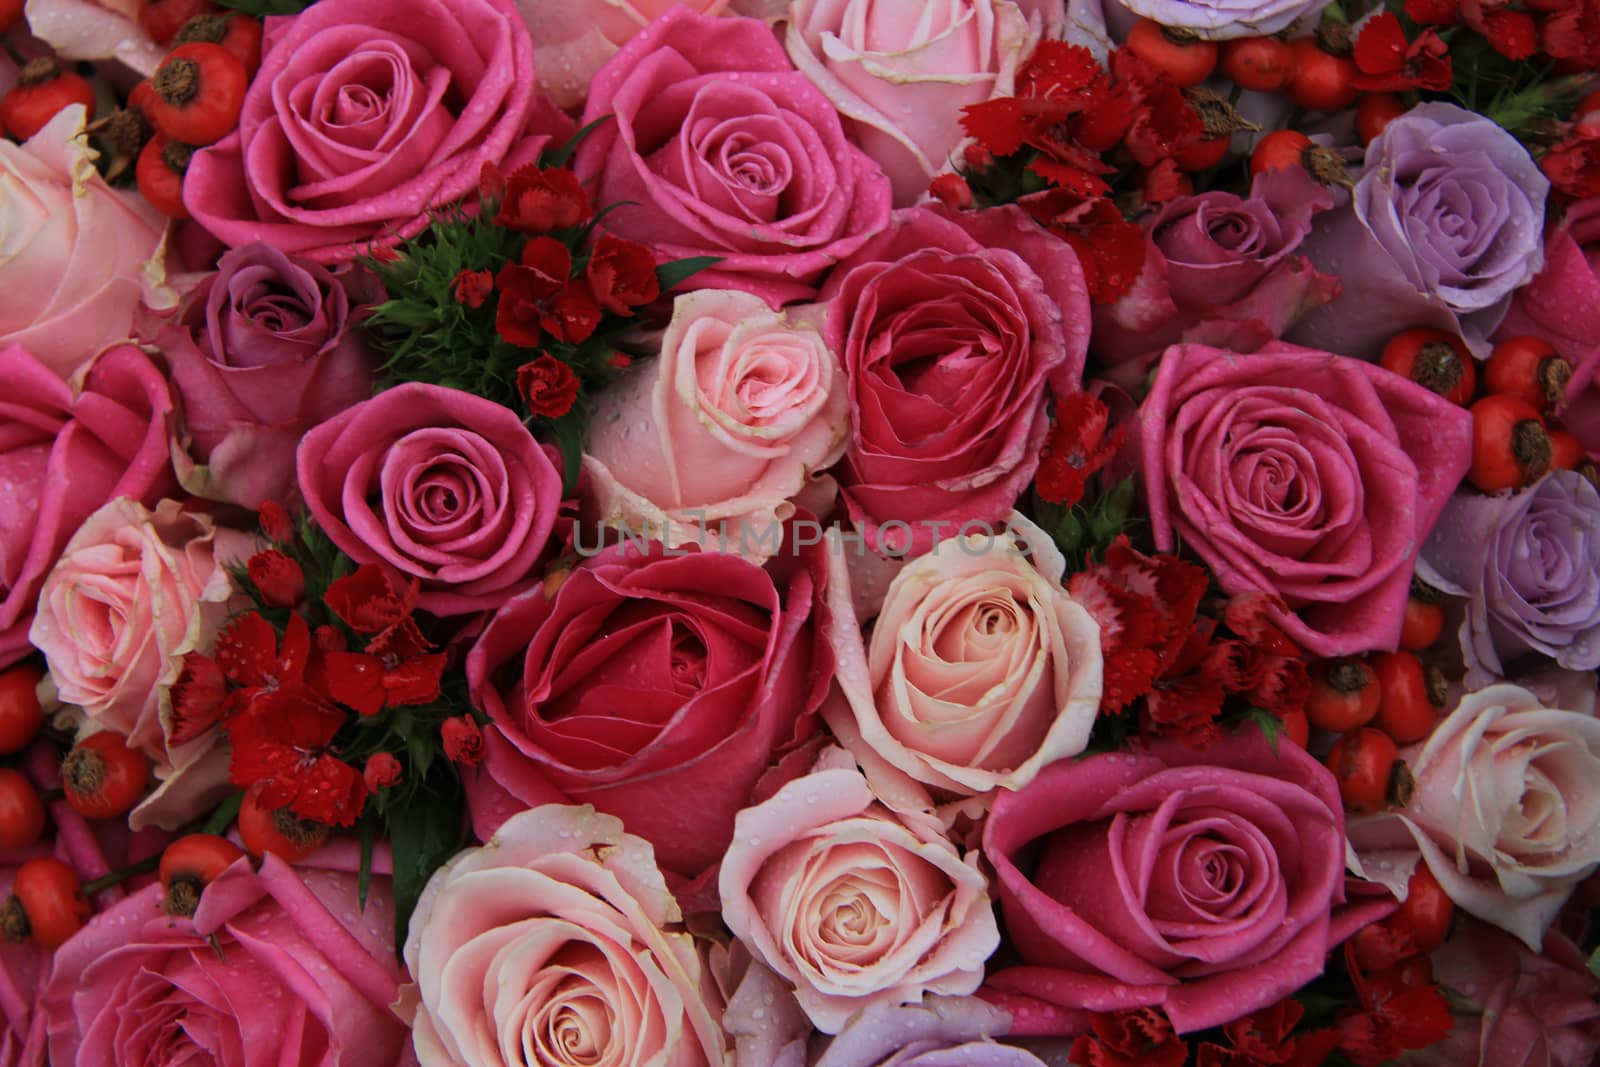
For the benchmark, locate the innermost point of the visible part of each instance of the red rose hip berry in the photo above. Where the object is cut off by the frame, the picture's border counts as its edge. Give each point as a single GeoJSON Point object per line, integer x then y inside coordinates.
{"type": "Point", "coordinates": [190, 864]}
{"type": "Point", "coordinates": [22, 815]}
{"type": "Point", "coordinates": [1406, 710]}
{"type": "Point", "coordinates": [238, 33]}
{"type": "Point", "coordinates": [1435, 360]}
{"type": "Point", "coordinates": [1260, 63]}
{"type": "Point", "coordinates": [162, 19]}
{"type": "Point", "coordinates": [41, 92]}
{"type": "Point", "coordinates": [159, 174]}
{"type": "Point", "coordinates": [46, 903]}
{"type": "Point", "coordinates": [1321, 81]}
{"type": "Point", "coordinates": [1529, 368]}
{"type": "Point", "coordinates": [1369, 771]}
{"type": "Point", "coordinates": [21, 717]}
{"type": "Point", "coordinates": [1178, 54]}
{"type": "Point", "coordinates": [102, 777]}
{"type": "Point", "coordinates": [1510, 446]}
{"type": "Point", "coordinates": [277, 830]}
{"type": "Point", "coordinates": [197, 93]}
{"type": "Point", "coordinates": [1344, 695]}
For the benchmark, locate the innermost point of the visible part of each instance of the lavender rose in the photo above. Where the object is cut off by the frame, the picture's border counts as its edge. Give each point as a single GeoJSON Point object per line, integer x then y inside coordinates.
{"type": "Point", "coordinates": [262, 350]}
{"type": "Point", "coordinates": [1445, 222]}
{"type": "Point", "coordinates": [1530, 564]}
{"type": "Point", "coordinates": [1220, 269]}
{"type": "Point", "coordinates": [939, 1032]}
{"type": "Point", "coordinates": [1213, 20]}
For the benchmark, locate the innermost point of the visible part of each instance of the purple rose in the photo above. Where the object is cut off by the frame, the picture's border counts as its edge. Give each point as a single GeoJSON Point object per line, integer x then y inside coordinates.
{"type": "Point", "coordinates": [1214, 20]}
{"type": "Point", "coordinates": [1220, 269]}
{"type": "Point", "coordinates": [939, 1032]}
{"type": "Point", "coordinates": [63, 456]}
{"type": "Point", "coordinates": [1530, 564]}
{"type": "Point", "coordinates": [1446, 220]}
{"type": "Point", "coordinates": [262, 350]}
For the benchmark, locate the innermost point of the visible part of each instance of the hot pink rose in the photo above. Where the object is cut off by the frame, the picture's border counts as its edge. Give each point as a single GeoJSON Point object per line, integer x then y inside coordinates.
{"type": "Point", "coordinates": [721, 431]}
{"type": "Point", "coordinates": [852, 903]}
{"type": "Point", "coordinates": [366, 116]}
{"type": "Point", "coordinates": [1200, 881]}
{"type": "Point", "coordinates": [1519, 1008]}
{"type": "Point", "coordinates": [950, 325]}
{"type": "Point", "coordinates": [95, 29]}
{"type": "Point", "coordinates": [657, 687]}
{"type": "Point", "coordinates": [285, 960]}
{"type": "Point", "coordinates": [1308, 476]}
{"type": "Point", "coordinates": [979, 669]}
{"type": "Point", "coordinates": [573, 38]}
{"type": "Point", "coordinates": [63, 456]}
{"type": "Point", "coordinates": [73, 265]}
{"type": "Point", "coordinates": [133, 593]}
{"type": "Point", "coordinates": [558, 942]}
{"type": "Point", "coordinates": [1562, 306]}
{"type": "Point", "coordinates": [1506, 810]}
{"type": "Point", "coordinates": [436, 485]}
{"type": "Point", "coordinates": [721, 148]}
{"type": "Point", "coordinates": [899, 70]}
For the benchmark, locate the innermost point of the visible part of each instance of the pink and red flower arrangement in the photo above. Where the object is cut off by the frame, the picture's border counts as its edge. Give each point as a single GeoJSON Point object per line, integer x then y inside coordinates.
{"type": "Point", "coordinates": [799, 533]}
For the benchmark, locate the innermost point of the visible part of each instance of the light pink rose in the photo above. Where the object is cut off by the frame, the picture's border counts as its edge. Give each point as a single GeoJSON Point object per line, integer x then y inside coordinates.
{"type": "Point", "coordinates": [284, 964]}
{"type": "Point", "coordinates": [95, 29]}
{"type": "Point", "coordinates": [133, 593]}
{"type": "Point", "coordinates": [979, 670]}
{"type": "Point", "coordinates": [364, 117]}
{"type": "Point", "coordinates": [558, 942]}
{"type": "Point", "coordinates": [64, 455]}
{"type": "Point", "coordinates": [77, 255]}
{"type": "Point", "coordinates": [724, 429]}
{"type": "Point", "coordinates": [900, 69]}
{"type": "Point", "coordinates": [1506, 811]}
{"type": "Point", "coordinates": [573, 38]}
{"type": "Point", "coordinates": [1305, 475]}
{"type": "Point", "coordinates": [1516, 1008]}
{"type": "Point", "coordinates": [852, 903]}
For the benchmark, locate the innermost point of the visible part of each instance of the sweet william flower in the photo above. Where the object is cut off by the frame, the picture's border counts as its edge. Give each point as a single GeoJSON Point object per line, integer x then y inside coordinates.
{"type": "Point", "coordinates": [463, 740]}
{"type": "Point", "coordinates": [382, 770]}
{"type": "Point", "coordinates": [548, 387]}
{"type": "Point", "coordinates": [279, 579]}
{"type": "Point", "coordinates": [537, 200]}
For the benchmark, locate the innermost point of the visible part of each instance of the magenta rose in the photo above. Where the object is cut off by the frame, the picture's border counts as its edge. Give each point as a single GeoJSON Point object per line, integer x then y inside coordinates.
{"type": "Point", "coordinates": [1311, 477]}
{"type": "Point", "coordinates": [364, 117]}
{"type": "Point", "coordinates": [263, 349]}
{"type": "Point", "coordinates": [285, 959]}
{"type": "Point", "coordinates": [951, 325]}
{"type": "Point", "coordinates": [721, 148]}
{"type": "Point", "coordinates": [1562, 306]}
{"type": "Point", "coordinates": [1200, 881]}
{"type": "Point", "coordinates": [1219, 269]}
{"type": "Point", "coordinates": [1516, 1008]}
{"type": "Point", "coordinates": [559, 943]}
{"type": "Point", "coordinates": [435, 485]}
{"type": "Point", "coordinates": [657, 687]}
{"type": "Point", "coordinates": [63, 456]}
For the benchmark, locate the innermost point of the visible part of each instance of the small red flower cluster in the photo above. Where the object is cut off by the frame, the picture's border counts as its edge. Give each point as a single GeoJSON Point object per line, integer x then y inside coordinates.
{"type": "Point", "coordinates": [1567, 31]}
{"type": "Point", "coordinates": [1162, 652]}
{"type": "Point", "coordinates": [1387, 62]}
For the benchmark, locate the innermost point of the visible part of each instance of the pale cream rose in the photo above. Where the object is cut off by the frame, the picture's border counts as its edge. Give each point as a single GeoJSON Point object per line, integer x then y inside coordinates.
{"type": "Point", "coordinates": [979, 669]}
{"type": "Point", "coordinates": [851, 903]}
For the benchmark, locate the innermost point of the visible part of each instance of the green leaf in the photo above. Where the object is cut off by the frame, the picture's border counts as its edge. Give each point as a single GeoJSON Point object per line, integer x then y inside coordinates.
{"type": "Point", "coordinates": [570, 430]}
{"type": "Point", "coordinates": [1269, 723]}
{"type": "Point", "coordinates": [425, 830]}
{"type": "Point", "coordinates": [223, 817]}
{"type": "Point", "coordinates": [679, 270]}
{"type": "Point", "coordinates": [268, 7]}
{"type": "Point", "coordinates": [557, 157]}
{"type": "Point", "coordinates": [1594, 963]}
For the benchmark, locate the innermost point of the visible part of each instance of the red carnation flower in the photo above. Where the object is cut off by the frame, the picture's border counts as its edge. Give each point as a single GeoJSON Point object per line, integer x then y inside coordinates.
{"type": "Point", "coordinates": [541, 199]}
{"type": "Point", "coordinates": [621, 275]}
{"type": "Point", "coordinates": [463, 740]}
{"type": "Point", "coordinates": [548, 386]}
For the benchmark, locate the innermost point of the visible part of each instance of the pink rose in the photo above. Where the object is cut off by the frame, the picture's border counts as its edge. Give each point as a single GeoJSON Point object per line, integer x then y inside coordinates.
{"type": "Point", "coordinates": [284, 962]}
{"type": "Point", "coordinates": [979, 669]}
{"type": "Point", "coordinates": [132, 594]}
{"type": "Point", "coordinates": [364, 117]}
{"type": "Point", "coordinates": [436, 485]}
{"type": "Point", "coordinates": [1506, 812]}
{"type": "Point", "coordinates": [950, 325]}
{"type": "Point", "coordinates": [1562, 306]}
{"type": "Point", "coordinates": [1522, 1009]}
{"type": "Point", "coordinates": [721, 431]}
{"type": "Point", "coordinates": [62, 456]}
{"type": "Point", "coordinates": [855, 905]}
{"type": "Point", "coordinates": [95, 29]}
{"type": "Point", "coordinates": [1200, 881]}
{"type": "Point", "coordinates": [1219, 269]}
{"type": "Point", "coordinates": [558, 942]}
{"type": "Point", "coordinates": [900, 70]}
{"type": "Point", "coordinates": [263, 349]}
{"type": "Point", "coordinates": [721, 148]}
{"type": "Point", "coordinates": [1304, 475]}
{"type": "Point", "coordinates": [78, 255]}
{"type": "Point", "coordinates": [573, 38]}
{"type": "Point", "coordinates": [657, 687]}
